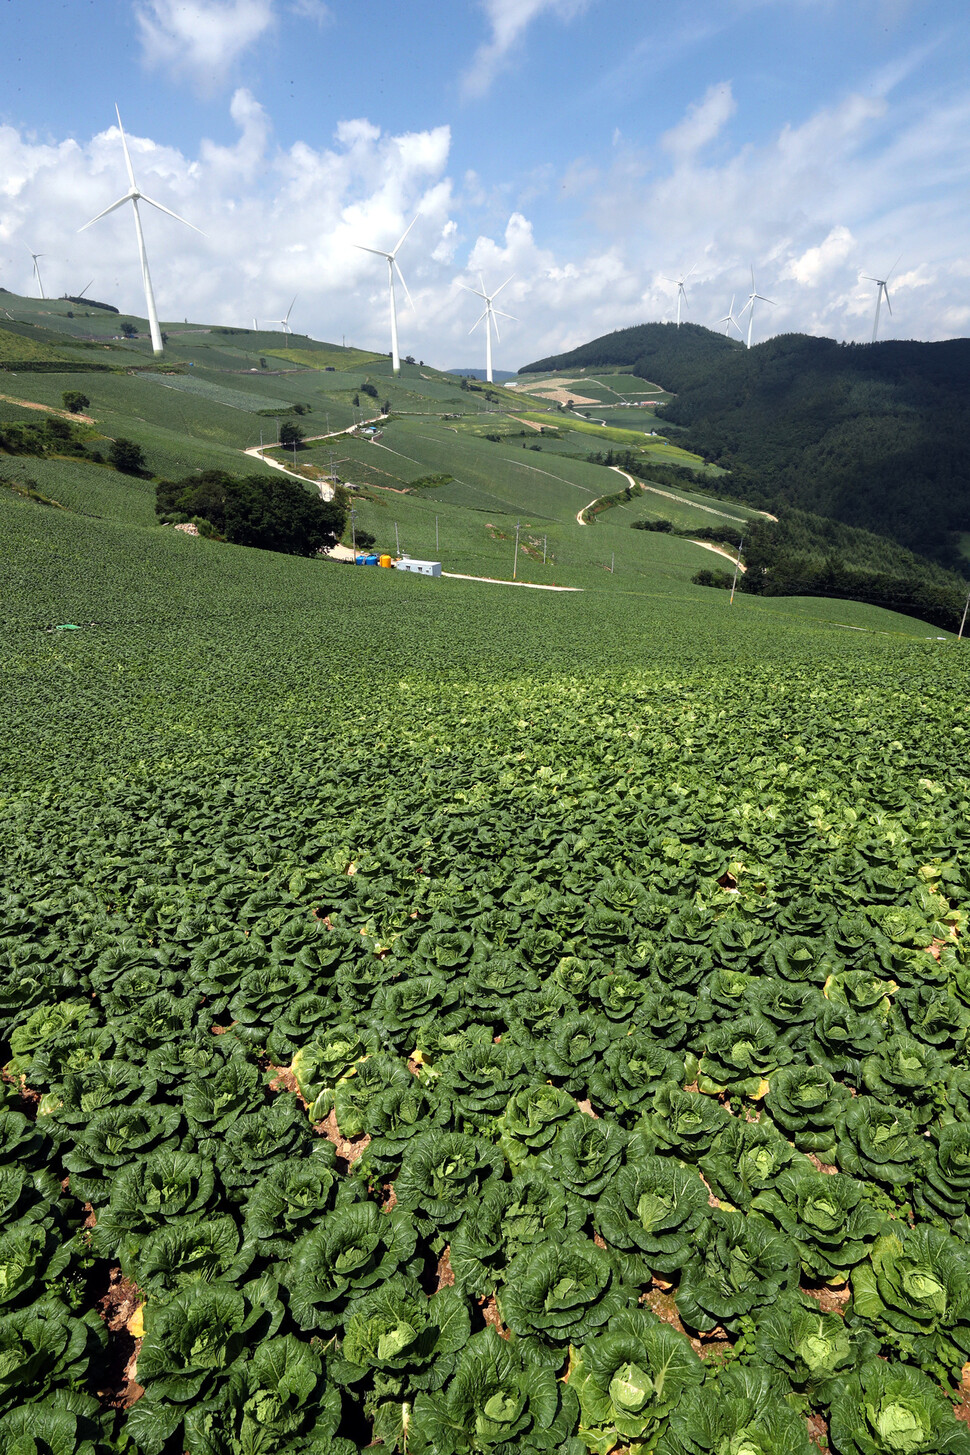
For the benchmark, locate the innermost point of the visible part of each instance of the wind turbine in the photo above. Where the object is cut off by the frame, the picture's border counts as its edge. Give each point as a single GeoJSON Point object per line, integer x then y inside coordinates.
{"type": "Point", "coordinates": [729, 318]}
{"type": "Point", "coordinates": [134, 196]}
{"type": "Point", "coordinates": [882, 291]}
{"type": "Point", "coordinates": [284, 323]}
{"type": "Point", "coordinates": [753, 296]}
{"type": "Point", "coordinates": [681, 290]}
{"type": "Point", "coordinates": [40, 285]}
{"type": "Point", "coordinates": [489, 316]}
{"type": "Point", "coordinates": [392, 263]}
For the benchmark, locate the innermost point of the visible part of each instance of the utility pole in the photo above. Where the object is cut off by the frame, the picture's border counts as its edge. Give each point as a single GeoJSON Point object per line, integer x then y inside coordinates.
{"type": "Point", "coordinates": [437, 548]}
{"type": "Point", "coordinates": [515, 558]}
{"type": "Point", "coordinates": [261, 442]}
{"type": "Point", "coordinates": [353, 531]}
{"type": "Point", "coordinates": [964, 621]}
{"type": "Point", "coordinates": [612, 560]}
{"type": "Point", "coordinates": [397, 538]}
{"type": "Point", "coordinates": [545, 542]}
{"type": "Point", "coordinates": [737, 566]}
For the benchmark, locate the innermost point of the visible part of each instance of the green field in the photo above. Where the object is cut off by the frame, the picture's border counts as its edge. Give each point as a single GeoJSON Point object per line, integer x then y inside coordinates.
{"type": "Point", "coordinates": [463, 1017]}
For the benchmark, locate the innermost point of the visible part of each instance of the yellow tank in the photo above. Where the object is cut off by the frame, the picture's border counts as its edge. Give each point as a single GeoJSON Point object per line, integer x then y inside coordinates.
{"type": "Point", "coordinates": [385, 561]}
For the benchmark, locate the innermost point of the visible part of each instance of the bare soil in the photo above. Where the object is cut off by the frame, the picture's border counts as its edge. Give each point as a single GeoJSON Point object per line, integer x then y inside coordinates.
{"type": "Point", "coordinates": [117, 1307]}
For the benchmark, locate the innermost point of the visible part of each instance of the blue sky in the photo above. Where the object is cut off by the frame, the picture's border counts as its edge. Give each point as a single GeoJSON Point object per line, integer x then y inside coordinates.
{"type": "Point", "coordinates": [593, 148]}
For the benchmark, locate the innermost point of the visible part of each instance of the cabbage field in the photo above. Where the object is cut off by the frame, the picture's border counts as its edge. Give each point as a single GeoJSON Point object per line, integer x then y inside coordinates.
{"type": "Point", "coordinates": [473, 1023]}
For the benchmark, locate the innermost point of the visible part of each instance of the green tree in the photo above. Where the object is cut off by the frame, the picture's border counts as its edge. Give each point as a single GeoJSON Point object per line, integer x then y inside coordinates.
{"type": "Point", "coordinates": [129, 330]}
{"type": "Point", "coordinates": [127, 457]}
{"type": "Point", "coordinates": [291, 433]}
{"type": "Point", "coordinates": [74, 400]}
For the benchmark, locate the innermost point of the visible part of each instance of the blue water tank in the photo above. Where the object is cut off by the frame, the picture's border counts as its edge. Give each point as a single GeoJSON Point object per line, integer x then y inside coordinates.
{"type": "Point", "coordinates": [372, 561]}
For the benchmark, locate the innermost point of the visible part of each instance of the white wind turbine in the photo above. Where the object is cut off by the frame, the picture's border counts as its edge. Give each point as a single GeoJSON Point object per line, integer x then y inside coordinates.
{"type": "Point", "coordinates": [729, 318]}
{"type": "Point", "coordinates": [392, 263]}
{"type": "Point", "coordinates": [882, 291]}
{"type": "Point", "coordinates": [753, 296]}
{"type": "Point", "coordinates": [134, 196]}
{"type": "Point", "coordinates": [40, 285]}
{"type": "Point", "coordinates": [681, 290]}
{"type": "Point", "coordinates": [489, 315]}
{"type": "Point", "coordinates": [284, 323]}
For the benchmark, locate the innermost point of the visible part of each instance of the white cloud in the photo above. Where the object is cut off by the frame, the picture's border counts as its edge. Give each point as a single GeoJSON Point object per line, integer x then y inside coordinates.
{"type": "Point", "coordinates": [201, 39]}
{"type": "Point", "coordinates": [703, 122]}
{"type": "Point", "coordinates": [814, 208]}
{"type": "Point", "coordinates": [819, 262]}
{"type": "Point", "coordinates": [509, 20]}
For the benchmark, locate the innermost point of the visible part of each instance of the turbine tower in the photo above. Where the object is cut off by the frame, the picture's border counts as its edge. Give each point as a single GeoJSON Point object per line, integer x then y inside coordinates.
{"type": "Point", "coordinates": [489, 316]}
{"type": "Point", "coordinates": [753, 296]}
{"type": "Point", "coordinates": [729, 318]}
{"type": "Point", "coordinates": [681, 290]}
{"type": "Point", "coordinates": [40, 284]}
{"type": "Point", "coordinates": [392, 263]}
{"type": "Point", "coordinates": [134, 196]}
{"type": "Point", "coordinates": [882, 291]}
{"type": "Point", "coordinates": [284, 323]}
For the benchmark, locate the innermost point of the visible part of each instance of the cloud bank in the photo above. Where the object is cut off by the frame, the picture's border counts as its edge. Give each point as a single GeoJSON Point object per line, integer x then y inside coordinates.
{"type": "Point", "coordinates": [814, 209]}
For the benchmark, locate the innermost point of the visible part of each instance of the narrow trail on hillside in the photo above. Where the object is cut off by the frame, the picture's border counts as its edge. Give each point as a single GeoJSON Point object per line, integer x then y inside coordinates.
{"type": "Point", "coordinates": [720, 551]}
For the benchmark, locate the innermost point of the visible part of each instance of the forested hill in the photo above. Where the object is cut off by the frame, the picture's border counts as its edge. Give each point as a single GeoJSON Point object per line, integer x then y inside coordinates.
{"type": "Point", "coordinates": [875, 435]}
{"type": "Point", "coordinates": [668, 355]}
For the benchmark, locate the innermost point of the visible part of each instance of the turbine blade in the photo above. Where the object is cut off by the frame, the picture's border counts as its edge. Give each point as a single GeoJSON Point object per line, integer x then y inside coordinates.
{"type": "Point", "coordinates": [501, 286]}
{"type": "Point", "coordinates": [886, 295]}
{"type": "Point", "coordinates": [404, 235]}
{"type": "Point", "coordinates": [471, 290]}
{"type": "Point", "coordinates": [405, 286]}
{"type": "Point", "coordinates": [152, 203]}
{"type": "Point", "coordinates": [290, 309]}
{"type": "Point", "coordinates": [893, 268]}
{"type": "Point", "coordinates": [693, 270]}
{"type": "Point", "coordinates": [376, 251]}
{"type": "Point", "coordinates": [114, 206]}
{"type": "Point", "coordinates": [500, 314]}
{"type": "Point", "coordinates": [478, 321]}
{"type": "Point", "coordinates": [495, 322]}
{"type": "Point", "coordinates": [124, 143]}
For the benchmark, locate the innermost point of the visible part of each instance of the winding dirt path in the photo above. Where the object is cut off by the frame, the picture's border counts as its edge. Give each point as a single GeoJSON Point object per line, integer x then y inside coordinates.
{"type": "Point", "coordinates": [720, 551]}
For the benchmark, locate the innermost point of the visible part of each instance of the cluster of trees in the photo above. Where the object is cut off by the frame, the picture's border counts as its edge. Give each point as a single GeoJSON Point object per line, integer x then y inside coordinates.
{"type": "Point", "coordinates": [805, 555]}
{"type": "Point", "coordinates": [275, 514]}
{"type": "Point", "coordinates": [51, 435]}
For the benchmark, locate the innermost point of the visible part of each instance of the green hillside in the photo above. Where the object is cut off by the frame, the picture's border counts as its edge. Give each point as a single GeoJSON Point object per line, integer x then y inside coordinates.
{"type": "Point", "coordinates": [448, 1016]}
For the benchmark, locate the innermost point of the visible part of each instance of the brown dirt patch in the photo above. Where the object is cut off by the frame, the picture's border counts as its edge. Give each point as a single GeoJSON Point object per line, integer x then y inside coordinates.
{"type": "Point", "coordinates": [349, 1149]}
{"type": "Point", "coordinates": [119, 1388]}
{"type": "Point", "coordinates": [662, 1304]}
{"type": "Point", "coordinates": [491, 1315]}
{"type": "Point", "coordinates": [390, 1200]}
{"type": "Point", "coordinates": [27, 1097]}
{"type": "Point", "coordinates": [285, 1080]}
{"type": "Point", "coordinates": [818, 1430]}
{"type": "Point", "coordinates": [47, 409]}
{"type": "Point", "coordinates": [446, 1274]}
{"type": "Point", "coordinates": [962, 1410]}
{"type": "Point", "coordinates": [586, 1108]}
{"type": "Point", "coordinates": [821, 1166]}
{"type": "Point", "coordinates": [829, 1300]}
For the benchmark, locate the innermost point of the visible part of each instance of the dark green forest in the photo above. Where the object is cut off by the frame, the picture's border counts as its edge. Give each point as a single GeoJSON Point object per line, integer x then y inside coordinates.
{"type": "Point", "coordinates": [874, 435]}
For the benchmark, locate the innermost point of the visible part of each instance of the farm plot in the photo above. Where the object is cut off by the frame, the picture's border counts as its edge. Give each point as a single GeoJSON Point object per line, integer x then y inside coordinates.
{"type": "Point", "coordinates": [539, 985]}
